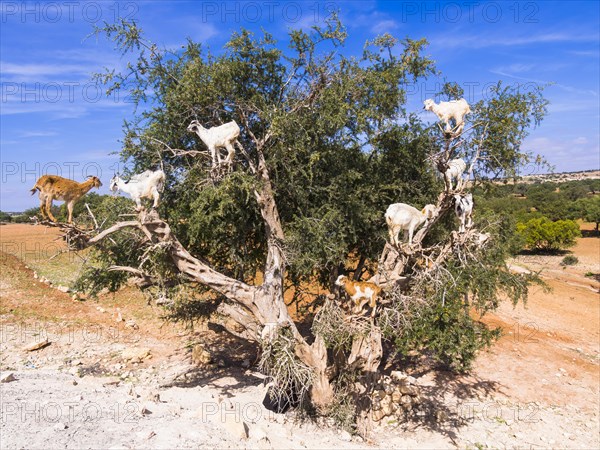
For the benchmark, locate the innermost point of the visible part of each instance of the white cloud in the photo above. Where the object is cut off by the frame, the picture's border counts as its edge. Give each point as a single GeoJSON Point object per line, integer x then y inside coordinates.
{"type": "Point", "coordinates": [385, 26]}
{"type": "Point", "coordinates": [478, 41]}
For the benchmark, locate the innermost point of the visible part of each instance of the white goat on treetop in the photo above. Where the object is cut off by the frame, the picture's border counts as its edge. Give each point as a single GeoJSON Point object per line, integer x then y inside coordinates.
{"type": "Point", "coordinates": [400, 216]}
{"type": "Point", "coordinates": [455, 109]}
{"type": "Point", "coordinates": [217, 137]}
{"type": "Point", "coordinates": [147, 184]}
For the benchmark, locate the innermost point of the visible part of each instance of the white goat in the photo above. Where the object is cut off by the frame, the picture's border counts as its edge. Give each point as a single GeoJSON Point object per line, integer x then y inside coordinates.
{"type": "Point", "coordinates": [217, 137]}
{"type": "Point", "coordinates": [455, 170]}
{"type": "Point", "coordinates": [400, 216]}
{"type": "Point", "coordinates": [455, 109]}
{"type": "Point", "coordinates": [463, 207]}
{"type": "Point", "coordinates": [144, 185]}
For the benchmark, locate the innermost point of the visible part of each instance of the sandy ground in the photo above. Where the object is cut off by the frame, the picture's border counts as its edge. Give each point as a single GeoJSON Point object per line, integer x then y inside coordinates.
{"type": "Point", "coordinates": [103, 383]}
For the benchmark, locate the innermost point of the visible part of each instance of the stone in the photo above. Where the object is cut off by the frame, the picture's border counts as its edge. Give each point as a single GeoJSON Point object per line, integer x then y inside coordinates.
{"type": "Point", "coordinates": [388, 388]}
{"type": "Point", "coordinates": [396, 395]}
{"type": "Point", "coordinates": [131, 324]}
{"type": "Point", "coordinates": [377, 415]}
{"type": "Point", "coordinates": [200, 355]}
{"type": "Point", "coordinates": [397, 375]}
{"type": "Point", "coordinates": [60, 426]}
{"type": "Point", "coordinates": [36, 345]}
{"type": "Point", "coordinates": [387, 406]}
{"type": "Point", "coordinates": [406, 402]}
{"type": "Point", "coordinates": [407, 389]}
{"type": "Point", "coordinates": [236, 427]}
{"type": "Point", "coordinates": [7, 378]}
{"type": "Point", "coordinates": [64, 289]}
{"type": "Point", "coordinates": [112, 381]}
{"type": "Point", "coordinates": [135, 354]}
{"type": "Point", "coordinates": [345, 436]}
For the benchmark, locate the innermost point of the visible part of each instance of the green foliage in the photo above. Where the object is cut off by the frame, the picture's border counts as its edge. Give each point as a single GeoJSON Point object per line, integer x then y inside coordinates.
{"type": "Point", "coordinates": [569, 260]}
{"type": "Point", "coordinates": [587, 209]}
{"type": "Point", "coordinates": [124, 249]}
{"type": "Point", "coordinates": [341, 148]}
{"type": "Point", "coordinates": [4, 217]}
{"type": "Point", "coordinates": [544, 234]}
{"type": "Point", "coordinates": [443, 323]}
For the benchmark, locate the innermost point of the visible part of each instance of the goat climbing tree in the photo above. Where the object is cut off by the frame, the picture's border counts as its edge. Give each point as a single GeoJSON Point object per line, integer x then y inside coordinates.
{"type": "Point", "coordinates": [323, 153]}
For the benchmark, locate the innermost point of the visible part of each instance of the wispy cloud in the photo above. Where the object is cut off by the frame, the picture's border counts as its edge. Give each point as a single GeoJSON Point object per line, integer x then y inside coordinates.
{"type": "Point", "coordinates": [477, 41]}
{"type": "Point", "coordinates": [385, 26]}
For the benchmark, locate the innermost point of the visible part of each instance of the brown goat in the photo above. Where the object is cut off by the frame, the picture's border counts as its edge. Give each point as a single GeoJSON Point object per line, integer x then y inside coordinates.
{"type": "Point", "coordinates": [358, 290]}
{"type": "Point", "coordinates": [53, 187]}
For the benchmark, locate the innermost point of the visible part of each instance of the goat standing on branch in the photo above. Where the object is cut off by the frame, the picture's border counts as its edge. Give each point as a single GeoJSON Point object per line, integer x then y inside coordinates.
{"type": "Point", "coordinates": [454, 170]}
{"type": "Point", "coordinates": [400, 216]}
{"type": "Point", "coordinates": [217, 137]}
{"type": "Point", "coordinates": [455, 109]}
{"type": "Point", "coordinates": [53, 187]}
{"type": "Point", "coordinates": [147, 184]}
{"type": "Point", "coordinates": [356, 290]}
{"type": "Point", "coordinates": [463, 207]}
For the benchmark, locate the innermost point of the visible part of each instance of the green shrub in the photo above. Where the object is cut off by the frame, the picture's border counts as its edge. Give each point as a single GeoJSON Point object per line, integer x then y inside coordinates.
{"type": "Point", "coordinates": [569, 260]}
{"type": "Point", "coordinates": [544, 234]}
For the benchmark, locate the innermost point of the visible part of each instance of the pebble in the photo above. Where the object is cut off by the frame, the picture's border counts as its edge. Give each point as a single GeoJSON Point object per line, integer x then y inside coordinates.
{"type": "Point", "coordinates": [8, 378]}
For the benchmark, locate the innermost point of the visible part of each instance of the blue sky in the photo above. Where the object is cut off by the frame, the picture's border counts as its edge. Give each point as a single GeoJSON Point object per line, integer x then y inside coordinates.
{"type": "Point", "coordinates": [54, 120]}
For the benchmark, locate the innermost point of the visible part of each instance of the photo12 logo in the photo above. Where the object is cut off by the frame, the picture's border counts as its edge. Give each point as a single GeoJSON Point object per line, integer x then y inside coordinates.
{"type": "Point", "coordinates": [67, 12]}
{"type": "Point", "coordinates": [469, 12]}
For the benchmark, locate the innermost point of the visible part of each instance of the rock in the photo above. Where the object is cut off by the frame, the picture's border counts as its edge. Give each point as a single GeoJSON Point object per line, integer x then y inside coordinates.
{"type": "Point", "coordinates": [396, 395]}
{"type": "Point", "coordinates": [145, 411]}
{"type": "Point", "coordinates": [258, 433]}
{"type": "Point", "coordinates": [75, 371]}
{"type": "Point", "coordinates": [112, 381]}
{"type": "Point", "coordinates": [345, 436]}
{"type": "Point", "coordinates": [60, 426]}
{"type": "Point", "coordinates": [221, 363]}
{"type": "Point", "coordinates": [75, 383]}
{"type": "Point", "coordinates": [200, 355]}
{"type": "Point", "coordinates": [377, 415]}
{"type": "Point", "coordinates": [407, 389]}
{"type": "Point", "coordinates": [7, 378]}
{"type": "Point", "coordinates": [64, 289]}
{"type": "Point", "coordinates": [387, 406]}
{"type": "Point", "coordinates": [153, 396]}
{"type": "Point", "coordinates": [135, 354]}
{"type": "Point", "coordinates": [235, 426]}
{"type": "Point", "coordinates": [406, 402]}
{"type": "Point", "coordinates": [379, 394]}
{"type": "Point", "coordinates": [76, 362]}
{"type": "Point", "coordinates": [397, 375]}
{"type": "Point", "coordinates": [388, 388]}
{"type": "Point", "coordinates": [36, 345]}
{"type": "Point", "coordinates": [131, 324]}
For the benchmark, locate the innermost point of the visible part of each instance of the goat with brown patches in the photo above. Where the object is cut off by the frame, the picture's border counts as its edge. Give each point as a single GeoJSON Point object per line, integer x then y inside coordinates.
{"type": "Point", "coordinates": [53, 187]}
{"type": "Point", "coordinates": [358, 290]}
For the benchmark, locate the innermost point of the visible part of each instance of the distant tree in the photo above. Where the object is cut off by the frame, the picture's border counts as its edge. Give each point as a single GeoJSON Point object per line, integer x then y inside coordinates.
{"type": "Point", "coordinates": [544, 234]}
{"type": "Point", "coordinates": [5, 217]}
{"type": "Point", "coordinates": [587, 209]}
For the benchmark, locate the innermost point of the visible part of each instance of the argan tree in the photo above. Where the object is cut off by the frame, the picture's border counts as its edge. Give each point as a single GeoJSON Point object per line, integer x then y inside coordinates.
{"type": "Point", "coordinates": [326, 145]}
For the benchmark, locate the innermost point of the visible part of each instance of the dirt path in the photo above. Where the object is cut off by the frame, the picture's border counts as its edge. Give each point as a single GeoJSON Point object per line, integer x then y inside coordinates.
{"type": "Point", "coordinates": [104, 383]}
